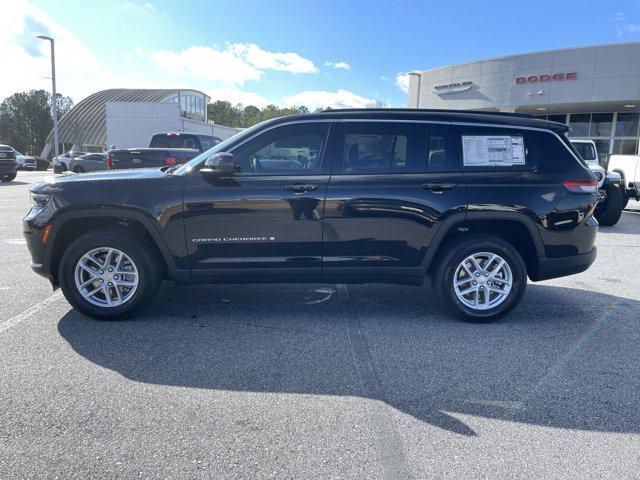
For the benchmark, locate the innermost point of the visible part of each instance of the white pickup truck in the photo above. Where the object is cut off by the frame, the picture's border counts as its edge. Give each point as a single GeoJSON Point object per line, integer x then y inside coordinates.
{"type": "Point", "coordinates": [628, 166]}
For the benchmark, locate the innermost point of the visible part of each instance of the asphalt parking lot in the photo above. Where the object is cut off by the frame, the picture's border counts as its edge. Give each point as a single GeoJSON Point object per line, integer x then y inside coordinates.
{"type": "Point", "coordinates": [321, 381]}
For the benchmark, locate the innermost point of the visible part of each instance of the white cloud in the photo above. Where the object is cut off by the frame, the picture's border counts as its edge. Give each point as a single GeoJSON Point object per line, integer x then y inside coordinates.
{"type": "Point", "coordinates": [338, 65]}
{"type": "Point", "coordinates": [149, 7]}
{"type": "Point", "coordinates": [30, 55]}
{"type": "Point", "coordinates": [236, 64]}
{"type": "Point", "coordinates": [624, 27]}
{"type": "Point", "coordinates": [264, 60]}
{"type": "Point", "coordinates": [320, 98]}
{"type": "Point", "coordinates": [206, 63]}
{"type": "Point", "coordinates": [235, 96]}
{"type": "Point", "coordinates": [402, 81]}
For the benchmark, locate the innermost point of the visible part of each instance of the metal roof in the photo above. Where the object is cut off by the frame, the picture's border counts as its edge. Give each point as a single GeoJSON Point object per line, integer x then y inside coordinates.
{"type": "Point", "coordinates": [88, 120]}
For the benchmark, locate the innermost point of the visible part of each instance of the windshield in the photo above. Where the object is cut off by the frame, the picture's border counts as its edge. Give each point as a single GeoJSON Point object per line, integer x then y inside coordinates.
{"type": "Point", "coordinates": [586, 151]}
{"type": "Point", "coordinates": [221, 147]}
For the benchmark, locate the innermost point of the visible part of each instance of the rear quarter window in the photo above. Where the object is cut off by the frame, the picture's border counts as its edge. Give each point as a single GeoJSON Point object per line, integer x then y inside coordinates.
{"type": "Point", "coordinates": [495, 149]}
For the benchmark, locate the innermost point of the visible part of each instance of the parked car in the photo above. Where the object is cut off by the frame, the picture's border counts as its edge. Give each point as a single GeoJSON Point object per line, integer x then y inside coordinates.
{"type": "Point", "coordinates": [473, 202]}
{"type": "Point", "coordinates": [61, 162]}
{"type": "Point", "coordinates": [610, 204]}
{"type": "Point", "coordinates": [8, 165]}
{"type": "Point", "coordinates": [628, 166]}
{"type": "Point", "coordinates": [165, 149]}
{"type": "Point", "coordinates": [91, 162]}
{"type": "Point", "coordinates": [25, 162]}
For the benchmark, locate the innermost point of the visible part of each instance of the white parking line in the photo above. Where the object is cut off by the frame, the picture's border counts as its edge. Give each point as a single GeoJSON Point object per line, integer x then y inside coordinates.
{"type": "Point", "coordinates": [32, 310]}
{"type": "Point", "coordinates": [15, 241]}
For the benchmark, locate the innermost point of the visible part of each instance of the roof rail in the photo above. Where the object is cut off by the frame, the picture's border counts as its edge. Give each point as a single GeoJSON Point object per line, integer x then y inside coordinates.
{"type": "Point", "coordinates": [427, 110]}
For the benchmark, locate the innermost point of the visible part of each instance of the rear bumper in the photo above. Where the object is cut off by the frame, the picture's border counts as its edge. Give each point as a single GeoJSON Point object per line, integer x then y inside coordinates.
{"type": "Point", "coordinates": [560, 267]}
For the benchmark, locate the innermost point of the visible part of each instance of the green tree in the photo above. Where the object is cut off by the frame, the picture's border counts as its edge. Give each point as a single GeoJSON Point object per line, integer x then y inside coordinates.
{"type": "Point", "coordinates": [224, 113]}
{"type": "Point", "coordinates": [25, 119]}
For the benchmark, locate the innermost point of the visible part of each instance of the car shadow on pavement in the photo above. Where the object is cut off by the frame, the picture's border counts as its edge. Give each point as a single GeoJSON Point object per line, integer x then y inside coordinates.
{"type": "Point", "coordinates": [13, 182]}
{"type": "Point", "coordinates": [565, 358]}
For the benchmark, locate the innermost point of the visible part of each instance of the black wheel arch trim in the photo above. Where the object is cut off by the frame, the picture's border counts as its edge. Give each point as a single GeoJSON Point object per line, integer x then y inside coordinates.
{"type": "Point", "coordinates": [460, 217]}
{"type": "Point", "coordinates": [58, 221]}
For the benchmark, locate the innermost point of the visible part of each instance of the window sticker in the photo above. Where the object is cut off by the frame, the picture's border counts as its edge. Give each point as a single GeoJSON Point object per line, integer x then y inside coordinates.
{"type": "Point", "coordinates": [493, 151]}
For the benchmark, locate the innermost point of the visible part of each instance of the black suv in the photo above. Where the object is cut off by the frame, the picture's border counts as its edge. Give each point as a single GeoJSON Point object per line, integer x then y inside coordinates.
{"type": "Point", "coordinates": [477, 202]}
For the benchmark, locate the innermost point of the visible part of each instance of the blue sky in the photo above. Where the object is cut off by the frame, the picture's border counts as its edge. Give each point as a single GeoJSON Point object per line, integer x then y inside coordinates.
{"type": "Point", "coordinates": [340, 53]}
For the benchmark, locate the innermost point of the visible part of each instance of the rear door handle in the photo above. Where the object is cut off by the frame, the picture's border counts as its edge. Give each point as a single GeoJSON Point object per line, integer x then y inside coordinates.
{"type": "Point", "coordinates": [300, 188]}
{"type": "Point", "coordinates": [438, 186]}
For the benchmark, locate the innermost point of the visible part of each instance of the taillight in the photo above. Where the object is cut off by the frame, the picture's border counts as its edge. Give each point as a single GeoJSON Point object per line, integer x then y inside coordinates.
{"type": "Point", "coordinates": [169, 161]}
{"type": "Point", "coordinates": [581, 187]}
{"type": "Point", "coordinates": [107, 161]}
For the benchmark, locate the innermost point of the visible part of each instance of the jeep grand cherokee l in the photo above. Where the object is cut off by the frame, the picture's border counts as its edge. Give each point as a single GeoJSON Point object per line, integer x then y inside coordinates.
{"type": "Point", "coordinates": [475, 202]}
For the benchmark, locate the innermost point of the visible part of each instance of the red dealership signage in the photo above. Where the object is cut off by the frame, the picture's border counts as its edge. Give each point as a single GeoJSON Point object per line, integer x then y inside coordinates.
{"type": "Point", "coordinates": [546, 78]}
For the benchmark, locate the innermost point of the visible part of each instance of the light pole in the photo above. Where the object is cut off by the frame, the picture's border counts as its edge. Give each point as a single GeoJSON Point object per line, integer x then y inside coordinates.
{"type": "Point", "coordinates": [417, 74]}
{"type": "Point", "coordinates": [54, 99]}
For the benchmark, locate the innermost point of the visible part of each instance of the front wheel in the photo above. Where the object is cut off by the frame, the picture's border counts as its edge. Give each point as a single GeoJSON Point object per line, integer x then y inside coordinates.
{"type": "Point", "coordinates": [608, 212]}
{"type": "Point", "coordinates": [480, 278]}
{"type": "Point", "coordinates": [108, 274]}
{"type": "Point", "coordinates": [9, 177]}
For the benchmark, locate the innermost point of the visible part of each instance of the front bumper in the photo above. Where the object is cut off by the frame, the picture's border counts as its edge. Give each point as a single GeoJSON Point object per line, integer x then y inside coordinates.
{"type": "Point", "coordinates": [37, 248]}
{"type": "Point", "coordinates": [4, 170]}
{"type": "Point", "coordinates": [560, 267]}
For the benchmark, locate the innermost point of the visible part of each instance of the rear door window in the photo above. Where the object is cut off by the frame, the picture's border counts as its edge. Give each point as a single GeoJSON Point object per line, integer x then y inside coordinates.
{"type": "Point", "coordinates": [376, 147]}
{"type": "Point", "coordinates": [395, 147]}
{"type": "Point", "coordinates": [439, 154]}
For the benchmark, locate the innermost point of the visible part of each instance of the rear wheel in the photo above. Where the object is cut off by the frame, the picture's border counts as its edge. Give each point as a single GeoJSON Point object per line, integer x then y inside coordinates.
{"type": "Point", "coordinates": [8, 177]}
{"type": "Point", "coordinates": [480, 278]}
{"type": "Point", "coordinates": [109, 274]}
{"type": "Point", "coordinates": [78, 169]}
{"type": "Point", "coordinates": [608, 212]}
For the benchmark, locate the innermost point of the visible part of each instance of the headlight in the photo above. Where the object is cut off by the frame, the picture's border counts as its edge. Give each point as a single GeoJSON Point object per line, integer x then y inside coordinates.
{"type": "Point", "coordinates": [39, 200]}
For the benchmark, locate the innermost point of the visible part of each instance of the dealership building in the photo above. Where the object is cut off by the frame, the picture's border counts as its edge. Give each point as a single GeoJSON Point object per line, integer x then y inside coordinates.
{"type": "Point", "coordinates": [596, 90]}
{"type": "Point", "coordinates": [128, 118]}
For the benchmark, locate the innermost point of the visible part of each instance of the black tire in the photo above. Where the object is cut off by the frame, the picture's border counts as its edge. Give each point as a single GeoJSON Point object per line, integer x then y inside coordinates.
{"type": "Point", "coordinates": [146, 259]}
{"type": "Point", "coordinates": [608, 212]}
{"type": "Point", "coordinates": [78, 169]}
{"type": "Point", "coordinates": [625, 198]}
{"type": "Point", "coordinates": [443, 274]}
{"type": "Point", "coordinates": [9, 177]}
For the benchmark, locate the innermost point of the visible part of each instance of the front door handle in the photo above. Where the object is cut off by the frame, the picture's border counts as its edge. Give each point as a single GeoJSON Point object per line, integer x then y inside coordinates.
{"type": "Point", "coordinates": [439, 186]}
{"type": "Point", "coordinates": [300, 188]}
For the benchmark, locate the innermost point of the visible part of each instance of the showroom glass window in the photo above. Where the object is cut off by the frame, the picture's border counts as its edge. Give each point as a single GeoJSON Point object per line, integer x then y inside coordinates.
{"type": "Point", "coordinates": [627, 124]}
{"type": "Point", "coordinates": [579, 123]}
{"type": "Point", "coordinates": [601, 125]}
{"type": "Point", "coordinates": [287, 150]}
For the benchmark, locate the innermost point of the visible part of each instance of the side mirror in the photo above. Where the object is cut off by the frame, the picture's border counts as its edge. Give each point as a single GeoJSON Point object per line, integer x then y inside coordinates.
{"type": "Point", "coordinates": [219, 165]}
